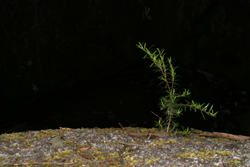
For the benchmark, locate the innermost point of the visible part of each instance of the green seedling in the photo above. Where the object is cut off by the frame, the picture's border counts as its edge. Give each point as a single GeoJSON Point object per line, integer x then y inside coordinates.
{"type": "Point", "coordinates": [169, 103]}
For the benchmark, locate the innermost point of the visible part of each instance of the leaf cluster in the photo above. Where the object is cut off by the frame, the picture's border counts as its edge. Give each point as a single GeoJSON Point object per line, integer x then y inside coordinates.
{"type": "Point", "coordinates": [169, 103]}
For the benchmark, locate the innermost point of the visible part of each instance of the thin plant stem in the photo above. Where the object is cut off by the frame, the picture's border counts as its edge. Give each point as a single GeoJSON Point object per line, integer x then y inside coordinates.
{"type": "Point", "coordinates": [168, 102]}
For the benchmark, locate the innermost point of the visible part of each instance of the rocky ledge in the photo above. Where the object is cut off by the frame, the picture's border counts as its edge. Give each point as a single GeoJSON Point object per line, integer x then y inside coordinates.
{"type": "Point", "coordinates": [116, 147]}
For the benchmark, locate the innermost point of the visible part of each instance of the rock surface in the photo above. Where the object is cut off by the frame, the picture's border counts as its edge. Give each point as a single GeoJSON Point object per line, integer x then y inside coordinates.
{"type": "Point", "coordinates": [113, 147]}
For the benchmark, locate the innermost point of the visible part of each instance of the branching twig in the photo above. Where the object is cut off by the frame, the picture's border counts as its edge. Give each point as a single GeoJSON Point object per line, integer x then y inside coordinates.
{"type": "Point", "coordinates": [168, 102]}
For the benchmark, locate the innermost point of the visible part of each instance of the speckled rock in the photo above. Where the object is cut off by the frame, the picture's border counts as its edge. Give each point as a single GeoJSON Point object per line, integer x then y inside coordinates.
{"type": "Point", "coordinates": [113, 147]}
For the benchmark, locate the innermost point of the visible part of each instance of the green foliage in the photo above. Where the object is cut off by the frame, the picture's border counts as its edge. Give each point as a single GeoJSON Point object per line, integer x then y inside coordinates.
{"type": "Point", "coordinates": [169, 103]}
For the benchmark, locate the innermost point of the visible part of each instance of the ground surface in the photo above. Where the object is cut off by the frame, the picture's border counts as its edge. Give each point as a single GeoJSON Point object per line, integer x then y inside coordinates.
{"type": "Point", "coordinates": [115, 147]}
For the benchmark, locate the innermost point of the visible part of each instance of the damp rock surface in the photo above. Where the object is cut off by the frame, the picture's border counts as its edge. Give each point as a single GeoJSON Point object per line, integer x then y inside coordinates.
{"type": "Point", "coordinates": [114, 147]}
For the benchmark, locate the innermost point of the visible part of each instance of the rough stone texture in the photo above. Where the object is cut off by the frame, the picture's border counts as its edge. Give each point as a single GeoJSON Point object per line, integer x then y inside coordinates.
{"type": "Point", "coordinates": [111, 147]}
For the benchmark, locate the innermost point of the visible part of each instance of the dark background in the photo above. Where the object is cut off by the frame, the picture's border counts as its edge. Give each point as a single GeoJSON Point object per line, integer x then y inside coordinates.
{"type": "Point", "coordinates": [75, 63]}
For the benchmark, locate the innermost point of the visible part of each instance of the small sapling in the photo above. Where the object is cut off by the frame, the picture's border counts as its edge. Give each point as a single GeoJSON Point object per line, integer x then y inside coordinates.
{"type": "Point", "coordinates": [169, 103]}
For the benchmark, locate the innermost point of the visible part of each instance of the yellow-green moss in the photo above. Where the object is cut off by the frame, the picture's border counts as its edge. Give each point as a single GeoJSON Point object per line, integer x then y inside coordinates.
{"type": "Point", "coordinates": [186, 140]}
{"type": "Point", "coordinates": [2, 158]}
{"type": "Point", "coordinates": [234, 162]}
{"type": "Point", "coordinates": [222, 140]}
{"type": "Point", "coordinates": [197, 142]}
{"type": "Point", "coordinates": [203, 154]}
{"type": "Point", "coordinates": [67, 153]}
{"type": "Point", "coordinates": [152, 160]}
{"type": "Point", "coordinates": [69, 142]}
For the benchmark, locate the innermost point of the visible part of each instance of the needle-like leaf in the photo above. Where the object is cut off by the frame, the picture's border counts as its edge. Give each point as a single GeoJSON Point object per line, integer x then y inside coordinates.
{"type": "Point", "coordinates": [169, 103]}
